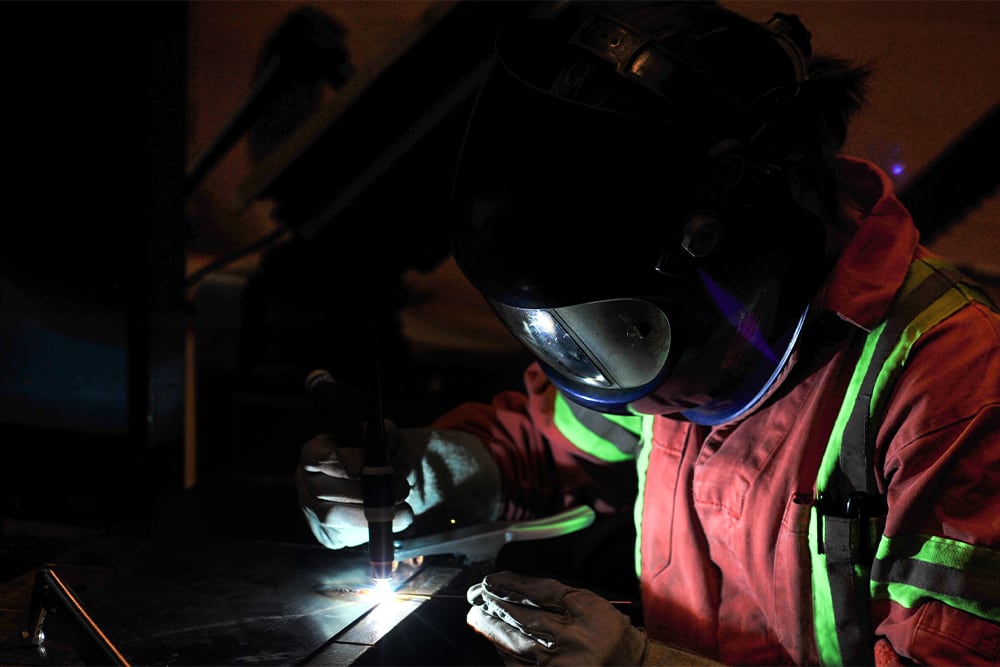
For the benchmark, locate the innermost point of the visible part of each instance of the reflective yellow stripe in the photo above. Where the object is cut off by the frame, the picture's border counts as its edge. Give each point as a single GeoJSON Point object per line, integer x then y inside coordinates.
{"type": "Point", "coordinates": [914, 568]}
{"type": "Point", "coordinates": [642, 465]}
{"type": "Point", "coordinates": [832, 454]}
{"type": "Point", "coordinates": [904, 592]}
{"type": "Point", "coordinates": [946, 305]}
{"type": "Point", "coordinates": [590, 437]}
{"type": "Point", "coordinates": [824, 623]}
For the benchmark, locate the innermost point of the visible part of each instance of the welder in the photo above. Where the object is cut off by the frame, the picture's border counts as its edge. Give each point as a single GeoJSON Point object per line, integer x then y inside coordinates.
{"type": "Point", "coordinates": [652, 198]}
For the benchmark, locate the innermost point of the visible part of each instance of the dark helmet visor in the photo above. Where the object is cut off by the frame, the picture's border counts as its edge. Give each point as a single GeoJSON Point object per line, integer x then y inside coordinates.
{"type": "Point", "coordinates": [561, 213]}
{"type": "Point", "coordinates": [558, 202]}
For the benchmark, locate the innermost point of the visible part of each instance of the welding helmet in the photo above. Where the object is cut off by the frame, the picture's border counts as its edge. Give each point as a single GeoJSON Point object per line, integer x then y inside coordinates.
{"type": "Point", "coordinates": [644, 253]}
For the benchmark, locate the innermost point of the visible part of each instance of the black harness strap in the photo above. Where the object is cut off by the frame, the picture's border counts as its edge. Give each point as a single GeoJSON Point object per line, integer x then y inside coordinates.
{"type": "Point", "coordinates": [854, 509]}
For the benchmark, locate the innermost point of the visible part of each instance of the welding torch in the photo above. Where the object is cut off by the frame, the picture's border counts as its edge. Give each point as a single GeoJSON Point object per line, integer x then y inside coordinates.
{"type": "Point", "coordinates": [332, 400]}
{"type": "Point", "coordinates": [377, 482]}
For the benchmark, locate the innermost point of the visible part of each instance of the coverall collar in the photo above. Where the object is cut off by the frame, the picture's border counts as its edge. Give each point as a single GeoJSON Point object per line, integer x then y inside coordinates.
{"type": "Point", "coordinates": [873, 265]}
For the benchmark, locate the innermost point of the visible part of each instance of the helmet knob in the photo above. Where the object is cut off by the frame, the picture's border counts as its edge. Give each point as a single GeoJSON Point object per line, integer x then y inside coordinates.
{"type": "Point", "coordinates": [701, 234]}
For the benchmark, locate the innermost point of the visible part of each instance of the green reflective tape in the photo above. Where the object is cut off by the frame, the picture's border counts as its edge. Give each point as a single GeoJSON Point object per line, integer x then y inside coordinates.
{"type": "Point", "coordinates": [944, 306]}
{"type": "Point", "coordinates": [824, 623]}
{"type": "Point", "coordinates": [642, 465]}
{"type": "Point", "coordinates": [564, 523]}
{"type": "Point", "coordinates": [940, 550]}
{"type": "Point", "coordinates": [917, 567]}
{"type": "Point", "coordinates": [977, 586]}
{"type": "Point", "coordinates": [906, 570]}
{"type": "Point", "coordinates": [824, 618]}
{"type": "Point", "coordinates": [911, 596]}
{"type": "Point", "coordinates": [631, 423]}
{"type": "Point", "coordinates": [831, 456]}
{"type": "Point", "coordinates": [592, 432]}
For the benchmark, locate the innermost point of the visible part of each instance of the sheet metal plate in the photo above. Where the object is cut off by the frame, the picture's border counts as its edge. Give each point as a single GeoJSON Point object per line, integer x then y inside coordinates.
{"type": "Point", "coordinates": [212, 601]}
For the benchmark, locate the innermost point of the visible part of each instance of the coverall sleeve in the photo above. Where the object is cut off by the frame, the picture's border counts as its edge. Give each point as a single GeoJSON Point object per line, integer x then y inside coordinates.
{"type": "Point", "coordinates": [936, 577]}
{"type": "Point", "coordinates": [542, 471]}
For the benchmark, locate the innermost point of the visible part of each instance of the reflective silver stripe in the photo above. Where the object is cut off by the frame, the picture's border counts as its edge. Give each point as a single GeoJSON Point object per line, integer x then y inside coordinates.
{"type": "Point", "coordinates": [911, 569]}
{"type": "Point", "coordinates": [610, 438]}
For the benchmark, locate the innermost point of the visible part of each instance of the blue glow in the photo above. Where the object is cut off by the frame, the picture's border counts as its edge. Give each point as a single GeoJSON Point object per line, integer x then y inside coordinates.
{"type": "Point", "coordinates": [722, 411]}
{"type": "Point", "coordinates": [741, 317]}
{"type": "Point", "coordinates": [898, 169]}
{"type": "Point", "coordinates": [60, 379]}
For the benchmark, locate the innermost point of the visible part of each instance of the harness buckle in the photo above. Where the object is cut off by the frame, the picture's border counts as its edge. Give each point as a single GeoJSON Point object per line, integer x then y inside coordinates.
{"type": "Point", "coordinates": [864, 513]}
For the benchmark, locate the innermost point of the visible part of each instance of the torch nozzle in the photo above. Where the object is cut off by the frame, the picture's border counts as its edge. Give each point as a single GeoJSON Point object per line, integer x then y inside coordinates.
{"type": "Point", "coordinates": [379, 511]}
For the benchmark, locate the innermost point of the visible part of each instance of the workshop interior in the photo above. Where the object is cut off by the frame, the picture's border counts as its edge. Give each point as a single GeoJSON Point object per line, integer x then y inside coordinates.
{"type": "Point", "coordinates": [208, 202]}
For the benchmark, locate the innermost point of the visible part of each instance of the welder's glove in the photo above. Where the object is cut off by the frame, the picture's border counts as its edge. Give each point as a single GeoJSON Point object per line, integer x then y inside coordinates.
{"type": "Point", "coordinates": [540, 621]}
{"type": "Point", "coordinates": [450, 478]}
{"type": "Point", "coordinates": [329, 485]}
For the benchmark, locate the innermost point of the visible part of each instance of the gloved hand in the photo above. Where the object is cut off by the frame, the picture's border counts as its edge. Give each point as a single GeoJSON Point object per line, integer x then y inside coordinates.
{"type": "Point", "coordinates": [539, 621]}
{"type": "Point", "coordinates": [544, 622]}
{"type": "Point", "coordinates": [329, 485]}
{"type": "Point", "coordinates": [451, 479]}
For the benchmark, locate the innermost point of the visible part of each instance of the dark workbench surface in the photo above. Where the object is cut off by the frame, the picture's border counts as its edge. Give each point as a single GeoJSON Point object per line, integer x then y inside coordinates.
{"type": "Point", "coordinates": [214, 601]}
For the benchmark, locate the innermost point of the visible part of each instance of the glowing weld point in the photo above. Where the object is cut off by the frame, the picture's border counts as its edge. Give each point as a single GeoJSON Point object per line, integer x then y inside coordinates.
{"type": "Point", "coordinates": [897, 169]}
{"type": "Point", "coordinates": [382, 590]}
{"type": "Point", "coordinates": [451, 521]}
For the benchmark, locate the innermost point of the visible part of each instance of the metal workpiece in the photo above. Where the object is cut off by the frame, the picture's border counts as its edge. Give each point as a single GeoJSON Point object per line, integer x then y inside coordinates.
{"type": "Point", "coordinates": [217, 601]}
{"type": "Point", "coordinates": [223, 601]}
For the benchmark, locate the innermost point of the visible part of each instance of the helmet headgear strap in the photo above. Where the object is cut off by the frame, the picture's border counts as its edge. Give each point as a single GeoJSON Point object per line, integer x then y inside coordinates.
{"type": "Point", "coordinates": [647, 62]}
{"type": "Point", "coordinates": [644, 60]}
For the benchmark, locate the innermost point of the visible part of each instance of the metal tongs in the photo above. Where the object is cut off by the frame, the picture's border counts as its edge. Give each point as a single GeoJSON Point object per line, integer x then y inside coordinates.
{"type": "Point", "coordinates": [484, 541]}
